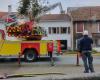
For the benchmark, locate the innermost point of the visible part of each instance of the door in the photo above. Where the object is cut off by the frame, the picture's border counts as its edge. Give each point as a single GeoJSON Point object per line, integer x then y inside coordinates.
{"type": "Point", "coordinates": [63, 44]}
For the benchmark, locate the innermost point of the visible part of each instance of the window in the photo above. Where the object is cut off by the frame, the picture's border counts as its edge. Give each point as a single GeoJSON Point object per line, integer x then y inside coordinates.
{"type": "Point", "coordinates": [63, 30]}
{"type": "Point", "coordinates": [79, 27]}
{"type": "Point", "coordinates": [59, 30]}
{"type": "Point", "coordinates": [49, 30]}
{"type": "Point", "coordinates": [54, 30]}
{"type": "Point", "coordinates": [68, 30]}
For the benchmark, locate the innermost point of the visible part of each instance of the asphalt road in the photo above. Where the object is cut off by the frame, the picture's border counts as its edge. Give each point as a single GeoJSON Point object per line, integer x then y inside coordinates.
{"type": "Point", "coordinates": [63, 64]}
{"type": "Point", "coordinates": [58, 60]}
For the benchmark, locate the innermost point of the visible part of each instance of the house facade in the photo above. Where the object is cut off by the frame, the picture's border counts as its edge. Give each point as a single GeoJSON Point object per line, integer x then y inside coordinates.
{"type": "Point", "coordinates": [57, 27]}
{"type": "Point", "coordinates": [85, 18]}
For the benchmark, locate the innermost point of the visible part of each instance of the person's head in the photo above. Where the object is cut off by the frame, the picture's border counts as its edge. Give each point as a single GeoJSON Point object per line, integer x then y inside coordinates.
{"type": "Point", "coordinates": [85, 33]}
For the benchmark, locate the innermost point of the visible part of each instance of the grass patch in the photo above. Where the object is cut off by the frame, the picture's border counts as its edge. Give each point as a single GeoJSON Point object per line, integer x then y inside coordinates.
{"type": "Point", "coordinates": [70, 52]}
{"type": "Point", "coordinates": [75, 52]}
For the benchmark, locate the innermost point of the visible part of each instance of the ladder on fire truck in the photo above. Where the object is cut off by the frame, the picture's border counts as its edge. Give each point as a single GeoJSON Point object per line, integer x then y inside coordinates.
{"type": "Point", "coordinates": [45, 9]}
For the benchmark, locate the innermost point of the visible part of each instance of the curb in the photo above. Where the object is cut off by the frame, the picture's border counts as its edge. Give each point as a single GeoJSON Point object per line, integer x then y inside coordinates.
{"type": "Point", "coordinates": [56, 76]}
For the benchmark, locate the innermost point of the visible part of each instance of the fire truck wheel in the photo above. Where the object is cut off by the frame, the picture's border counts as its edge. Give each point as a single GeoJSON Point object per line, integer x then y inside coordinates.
{"type": "Point", "coordinates": [30, 55]}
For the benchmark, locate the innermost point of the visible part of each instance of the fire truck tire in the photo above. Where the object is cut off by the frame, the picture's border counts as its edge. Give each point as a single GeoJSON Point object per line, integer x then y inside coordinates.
{"type": "Point", "coordinates": [30, 55]}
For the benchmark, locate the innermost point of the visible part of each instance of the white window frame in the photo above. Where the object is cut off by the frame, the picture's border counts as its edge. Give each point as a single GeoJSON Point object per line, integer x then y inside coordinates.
{"type": "Point", "coordinates": [67, 30]}
{"type": "Point", "coordinates": [76, 28]}
{"type": "Point", "coordinates": [49, 29]}
{"type": "Point", "coordinates": [58, 30]}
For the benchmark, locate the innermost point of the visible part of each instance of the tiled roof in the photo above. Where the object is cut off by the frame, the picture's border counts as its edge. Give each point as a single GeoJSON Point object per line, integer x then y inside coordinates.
{"type": "Point", "coordinates": [85, 13]}
{"type": "Point", "coordinates": [47, 17]}
{"type": "Point", "coordinates": [55, 17]}
{"type": "Point", "coordinates": [3, 14]}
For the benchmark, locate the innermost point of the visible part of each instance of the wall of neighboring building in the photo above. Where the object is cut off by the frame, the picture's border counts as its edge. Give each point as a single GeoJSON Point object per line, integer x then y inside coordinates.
{"type": "Point", "coordinates": [57, 36]}
{"type": "Point", "coordinates": [92, 27]}
{"type": "Point", "coordinates": [90, 17]}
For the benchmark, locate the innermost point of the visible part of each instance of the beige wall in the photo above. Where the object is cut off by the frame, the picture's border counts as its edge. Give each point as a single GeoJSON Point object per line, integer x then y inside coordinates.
{"type": "Point", "coordinates": [91, 27]}
{"type": "Point", "coordinates": [95, 28]}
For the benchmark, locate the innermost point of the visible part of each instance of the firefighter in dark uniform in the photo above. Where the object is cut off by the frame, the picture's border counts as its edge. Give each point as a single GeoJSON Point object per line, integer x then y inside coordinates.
{"type": "Point", "coordinates": [85, 48]}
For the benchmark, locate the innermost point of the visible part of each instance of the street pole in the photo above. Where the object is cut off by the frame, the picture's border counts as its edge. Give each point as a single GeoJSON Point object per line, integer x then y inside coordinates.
{"type": "Point", "coordinates": [77, 61]}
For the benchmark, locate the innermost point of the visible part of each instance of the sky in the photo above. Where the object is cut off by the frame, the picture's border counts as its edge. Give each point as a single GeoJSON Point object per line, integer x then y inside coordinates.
{"type": "Point", "coordinates": [65, 3]}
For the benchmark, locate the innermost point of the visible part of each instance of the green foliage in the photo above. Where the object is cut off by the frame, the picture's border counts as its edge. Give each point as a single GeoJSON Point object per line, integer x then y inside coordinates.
{"type": "Point", "coordinates": [30, 8]}
{"type": "Point", "coordinates": [36, 9]}
{"type": "Point", "coordinates": [24, 7]}
{"type": "Point", "coordinates": [94, 51]}
{"type": "Point", "coordinates": [70, 52]}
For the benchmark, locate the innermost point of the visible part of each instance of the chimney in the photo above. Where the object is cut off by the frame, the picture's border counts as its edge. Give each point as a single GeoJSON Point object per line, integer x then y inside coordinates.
{"type": "Point", "coordinates": [9, 9]}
